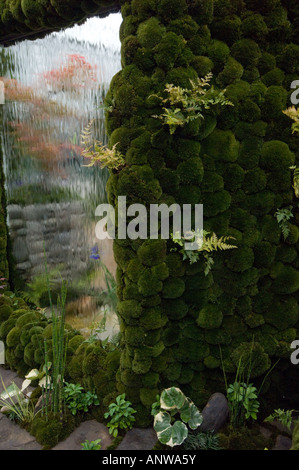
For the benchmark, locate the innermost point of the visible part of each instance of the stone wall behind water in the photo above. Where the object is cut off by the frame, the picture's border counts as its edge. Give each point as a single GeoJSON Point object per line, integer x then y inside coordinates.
{"type": "Point", "coordinates": [60, 226]}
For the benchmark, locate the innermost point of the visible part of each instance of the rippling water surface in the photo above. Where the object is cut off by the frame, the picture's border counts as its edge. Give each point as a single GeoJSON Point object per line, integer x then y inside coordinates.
{"type": "Point", "coordinates": [53, 88]}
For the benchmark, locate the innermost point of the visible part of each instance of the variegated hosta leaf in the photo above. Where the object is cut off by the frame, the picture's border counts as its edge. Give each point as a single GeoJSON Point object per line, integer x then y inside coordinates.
{"type": "Point", "coordinates": [47, 366]}
{"type": "Point", "coordinates": [196, 417]}
{"type": "Point", "coordinates": [44, 382]}
{"type": "Point", "coordinates": [190, 414]}
{"type": "Point", "coordinates": [10, 392]}
{"type": "Point", "coordinates": [33, 374]}
{"type": "Point", "coordinates": [185, 411]}
{"type": "Point", "coordinates": [296, 185]}
{"type": "Point", "coordinates": [25, 384]}
{"type": "Point", "coordinates": [172, 398]}
{"type": "Point", "coordinates": [168, 434]}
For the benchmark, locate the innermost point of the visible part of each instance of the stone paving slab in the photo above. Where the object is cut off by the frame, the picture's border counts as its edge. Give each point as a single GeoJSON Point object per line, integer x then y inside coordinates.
{"type": "Point", "coordinates": [12, 436]}
{"type": "Point", "coordinates": [138, 439]}
{"type": "Point", "coordinates": [88, 430]}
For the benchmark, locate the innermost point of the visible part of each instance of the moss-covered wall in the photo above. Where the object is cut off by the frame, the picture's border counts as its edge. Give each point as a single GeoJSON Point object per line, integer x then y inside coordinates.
{"type": "Point", "coordinates": [31, 19]}
{"type": "Point", "coordinates": [174, 318]}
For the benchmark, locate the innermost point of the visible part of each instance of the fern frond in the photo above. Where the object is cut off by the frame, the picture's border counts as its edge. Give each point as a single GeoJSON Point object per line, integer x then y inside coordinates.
{"type": "Point", "coordinates": [97, 152]}
{"type": "Point", "coordinates": [213, 243]}
{"type": "Point", "coordinates": [183, 105]}
{"type": "Point", "coordinates": [293, 113]}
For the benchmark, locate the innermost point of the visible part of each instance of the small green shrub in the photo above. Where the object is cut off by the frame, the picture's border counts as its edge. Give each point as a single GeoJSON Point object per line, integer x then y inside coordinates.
{"type": "Point", "coordinates": [77, 400]}
{"type": "Point", "coordinates": [285, 417]}
{"type": "Point", "coordinates": [121, 414]}
{"type": "Point", "coordinates": [91, 445]}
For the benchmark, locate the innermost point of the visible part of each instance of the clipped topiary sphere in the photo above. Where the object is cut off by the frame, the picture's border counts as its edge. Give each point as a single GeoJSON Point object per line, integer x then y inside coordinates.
{"type": "Point", "coordinates": [203, 65]}
{"type": "Point", "coordinates": [5, 312]}
{"type": "Point", "coordinates": [283, 313]}
{"type": "Point", "coordinates": [254, 27]}
{"type": "Point", "coordinates": [289, 60]}
{"type": "Point", "coordinates": [254, 181]}
{"type": "Point", "coordinates": [13, 337]}
{"type": "Point", "coordinates": [173, 288]}
{"type": "Point", "coordinates": [232, 72]}
{"type": "Point", "coordinates": [222, 145]}
{"type": "Point", "coordinates": [152, 252]}
{"type": "Point", "coordinates": [150, 33]}
{"type": "Point", "coordinates": [247, 52]}
{"type": "Point", "coordinates": [240, 259]}
{"type": "Point", "coordinates": [210, 317]}
{"type": "Point", "coordinates": [275, 101]}
{"type": "Point", "coordinates": [276, 156]}
{"type": "Point", "coordinates": [169, 50]}
{"type": "Point", "coordinates": [251, 359]}
{"type": "Point", "coordinates": [218, 52]}
{"type": "Point", "coordinates": [287, 281]}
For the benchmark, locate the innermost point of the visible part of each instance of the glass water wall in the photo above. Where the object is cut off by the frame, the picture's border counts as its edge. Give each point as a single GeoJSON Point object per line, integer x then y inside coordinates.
{"type": "Point", "coordinates": [54, 87]}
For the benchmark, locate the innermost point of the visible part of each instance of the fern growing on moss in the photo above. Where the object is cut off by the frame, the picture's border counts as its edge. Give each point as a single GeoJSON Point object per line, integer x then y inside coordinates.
{"type": "Point", "coordinates": [283, 216]}
{"type": "Point", "coordinates": [202, 243]}
{"type": "Point", "coordinates": [183, 105]}
{"type": "Point", "coordinates": [96, 152]}
{"type": "Point", "coordinates": [295, 179]}
{"type": "Point", "coordinates": [293, 113]}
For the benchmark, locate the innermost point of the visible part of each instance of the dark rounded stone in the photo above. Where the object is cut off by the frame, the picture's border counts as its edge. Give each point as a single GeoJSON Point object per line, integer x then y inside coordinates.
{"type": "Point", "coordinates": [215, 413]}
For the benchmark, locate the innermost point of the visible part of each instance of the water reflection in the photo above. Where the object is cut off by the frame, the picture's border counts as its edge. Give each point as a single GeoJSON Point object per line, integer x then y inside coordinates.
{"type": "Point", "coordinates": [53, 88]}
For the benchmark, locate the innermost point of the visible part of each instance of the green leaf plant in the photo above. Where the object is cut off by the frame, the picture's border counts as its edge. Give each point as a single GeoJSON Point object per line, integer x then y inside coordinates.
{"type": "Point", "coordinates": [242, 395]}
{"type": "Point", "coordinates": [204, 245]}
{"type": "Point", "coordinates": [293, 113]}
{"type": "Point", "coordinates": [91, 445]}
{"type": "Point", "coordinates": [174, 414]}
{"type": "Point", "coordinates": [78, 400]}
{"type": "Point", "coordinates": [295, 179]}
{"type": "Point", "coordinates": [121, 414]}
{"type": "Point", "coordinates": [283, 217]}
{"type": "Point", "coordinates": [183, 105]}
{"type": "Point", "coordinates": [97, 153]}
{"type": "Point", "coordinates": [285, 417]}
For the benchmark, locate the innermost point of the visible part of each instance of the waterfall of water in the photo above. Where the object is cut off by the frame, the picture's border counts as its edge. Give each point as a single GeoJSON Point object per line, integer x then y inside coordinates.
{"type": "Point", "coordinates": [53, 88]}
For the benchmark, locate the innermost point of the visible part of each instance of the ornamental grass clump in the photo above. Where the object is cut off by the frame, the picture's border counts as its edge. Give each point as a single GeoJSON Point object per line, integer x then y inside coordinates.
{"type": "Point", "coordinates": [53, 388]}
{"type": "Point", "coordinates": [16, 404]}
